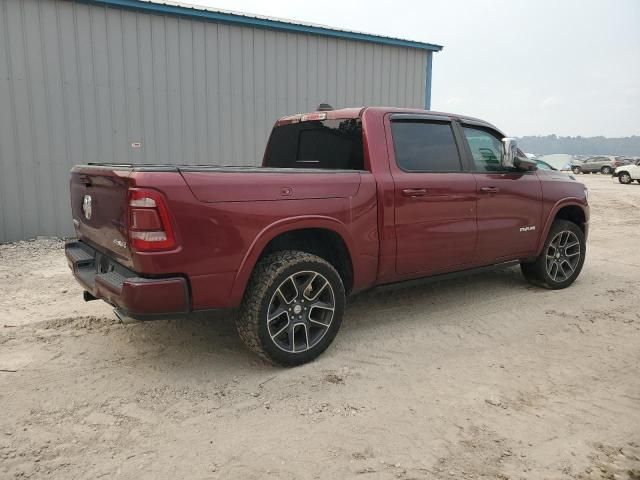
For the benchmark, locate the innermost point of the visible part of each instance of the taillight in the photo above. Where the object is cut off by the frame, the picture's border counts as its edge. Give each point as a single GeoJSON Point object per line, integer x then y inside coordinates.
{"type": "Point", "coordinates": [145, 219]}
{"type": "Point", "coordinates": [149, 223]}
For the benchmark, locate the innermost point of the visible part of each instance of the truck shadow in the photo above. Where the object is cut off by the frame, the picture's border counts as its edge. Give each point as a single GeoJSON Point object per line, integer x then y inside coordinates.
{"type": "Point", "coordinates": [182, 342]}
{"type": "Point", "coordinates": [449, 299]}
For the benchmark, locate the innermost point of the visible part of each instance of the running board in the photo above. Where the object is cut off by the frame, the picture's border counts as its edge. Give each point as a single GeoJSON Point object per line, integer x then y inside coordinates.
{"type": "Point", "coordinates": [444, 276]}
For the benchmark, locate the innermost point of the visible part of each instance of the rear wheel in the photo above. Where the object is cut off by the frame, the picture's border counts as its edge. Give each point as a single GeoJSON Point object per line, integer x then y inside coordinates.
{"type": "Point", "coordinates": [292, 309]}
{"type": "Point", "coordinates": [576, 170]}
{"type": "Point", "coordinates": [606, 170]}
{"type": "Point", "coordinates": [561, 259]}
{"type": "Point", "coordinates": [624, 178]}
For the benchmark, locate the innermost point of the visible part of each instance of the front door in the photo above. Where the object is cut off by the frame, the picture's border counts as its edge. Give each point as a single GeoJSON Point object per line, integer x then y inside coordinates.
{"type": "Point", "coordinates": [435, 199]}
{"type": "Point", "coordinates": [509, 201]}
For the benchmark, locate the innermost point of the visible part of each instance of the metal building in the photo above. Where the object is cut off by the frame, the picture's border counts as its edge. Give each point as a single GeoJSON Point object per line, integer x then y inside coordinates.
{"type": "Point", "coordinates": [136, 81]}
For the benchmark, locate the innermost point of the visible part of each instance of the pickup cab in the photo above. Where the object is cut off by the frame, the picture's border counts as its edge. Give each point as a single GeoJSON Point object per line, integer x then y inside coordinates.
{"type": "Point", "coordinates": [345, 200]}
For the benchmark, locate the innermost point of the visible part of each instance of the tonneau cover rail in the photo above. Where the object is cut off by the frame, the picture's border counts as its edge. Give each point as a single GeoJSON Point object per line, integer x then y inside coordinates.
{"type": "Point", "coordinates": [211, 168]}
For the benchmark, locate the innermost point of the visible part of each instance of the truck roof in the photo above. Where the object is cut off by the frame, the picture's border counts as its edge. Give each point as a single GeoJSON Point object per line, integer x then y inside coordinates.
{"type": "Point", "coordinates": [355, 112]}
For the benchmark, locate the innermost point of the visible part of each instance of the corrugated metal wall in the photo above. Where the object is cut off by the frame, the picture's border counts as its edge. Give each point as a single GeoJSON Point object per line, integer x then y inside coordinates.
{"type": "Point", "coordinates": [82, 83]}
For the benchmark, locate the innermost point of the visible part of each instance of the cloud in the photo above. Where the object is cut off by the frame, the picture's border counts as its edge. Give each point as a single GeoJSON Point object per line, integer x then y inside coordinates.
{"type": "Point", "coordinates": [455, 101]}
{"type": "Point", "coordinates": [551, 102]}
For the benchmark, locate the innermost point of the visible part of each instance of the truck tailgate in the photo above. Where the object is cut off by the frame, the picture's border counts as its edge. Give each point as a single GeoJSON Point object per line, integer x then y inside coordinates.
{"type": "Point", "coordinates": [99, 197]}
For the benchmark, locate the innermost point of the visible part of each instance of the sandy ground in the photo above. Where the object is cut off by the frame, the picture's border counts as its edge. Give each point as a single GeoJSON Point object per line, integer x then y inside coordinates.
{"type": "Point", "coordinates": [483, 377]}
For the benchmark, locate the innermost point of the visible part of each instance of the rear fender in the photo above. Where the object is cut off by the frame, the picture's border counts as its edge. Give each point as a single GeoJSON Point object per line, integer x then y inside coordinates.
{"type": "Point", "coordinates": [272, 231]}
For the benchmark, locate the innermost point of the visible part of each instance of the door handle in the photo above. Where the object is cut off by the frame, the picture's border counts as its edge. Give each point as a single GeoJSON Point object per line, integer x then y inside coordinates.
{"type": "Point", "coordinates": [415, 192]}
{"type": "Point", "coordinates": [489, 189]}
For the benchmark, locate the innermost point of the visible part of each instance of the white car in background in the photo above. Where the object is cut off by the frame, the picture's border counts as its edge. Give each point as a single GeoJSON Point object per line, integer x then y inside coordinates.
{"type": "Point", "coordinates": [628, 173]}
{"type": "Point", "coordinates": [542, 165]}
{"type": "Point", "coordinates": [559, 161]}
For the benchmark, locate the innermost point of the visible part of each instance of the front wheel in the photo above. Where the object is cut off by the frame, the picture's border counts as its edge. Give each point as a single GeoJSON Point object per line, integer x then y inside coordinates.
{"type": "Point", "coordinates": [292, 308]}
{"type": "Point", "coordinates": [606, 170]}
{"type": "Point", "coordinates": [624, 178]}
{"type": "Point", "coordinates": [561, 259]}
{"type": "Point", "coordinates": [576, 170]}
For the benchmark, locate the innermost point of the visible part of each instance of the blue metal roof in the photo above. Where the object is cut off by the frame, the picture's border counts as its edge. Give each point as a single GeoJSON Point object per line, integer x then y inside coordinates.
{"type": "Point", "coordinates": [204, 13]}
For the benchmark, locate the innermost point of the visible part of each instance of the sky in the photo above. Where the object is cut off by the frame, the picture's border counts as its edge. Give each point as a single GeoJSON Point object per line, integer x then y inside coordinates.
{"type": "Point", "coordinates": [531, 67]}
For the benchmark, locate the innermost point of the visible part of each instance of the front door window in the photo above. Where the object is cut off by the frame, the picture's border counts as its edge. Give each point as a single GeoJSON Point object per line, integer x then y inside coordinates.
{"type": "Point", "coordinates": [486, 149]}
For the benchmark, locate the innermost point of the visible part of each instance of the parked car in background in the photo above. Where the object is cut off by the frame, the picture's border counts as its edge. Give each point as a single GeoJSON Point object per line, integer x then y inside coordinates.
{"type": "Point", "coordinates": [602, 164]}
{"type": "Point", "coordinates": [627, 160]}
{"type": "Point", "coordinates": [628, 173]}
{"type": "Point", "coordinates": [559, 161]}
{"type": "Point", "coordinates": [542, 165]}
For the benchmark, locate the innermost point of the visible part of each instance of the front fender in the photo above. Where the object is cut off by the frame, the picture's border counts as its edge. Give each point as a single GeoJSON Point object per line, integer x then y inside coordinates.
{"type": "Point", "coordinates": [277, 228]}
{"type": "Point", "coordinates": [565, 202]}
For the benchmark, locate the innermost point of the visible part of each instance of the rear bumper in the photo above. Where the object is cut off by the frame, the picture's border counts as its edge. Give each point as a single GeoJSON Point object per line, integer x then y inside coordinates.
{"type": "Point", "coordinates": [132, 295]}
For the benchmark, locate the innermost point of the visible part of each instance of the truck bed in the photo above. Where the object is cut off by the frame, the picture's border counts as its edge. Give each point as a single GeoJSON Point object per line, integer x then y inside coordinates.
{"type": "Point", "coordinates": [221, 218]}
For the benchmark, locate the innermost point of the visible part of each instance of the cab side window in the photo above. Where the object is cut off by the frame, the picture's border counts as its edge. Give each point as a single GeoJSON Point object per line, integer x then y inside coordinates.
{"type": "Point", "coordinates": [422, 146]}
{"type": "Point", "coordinates": [486, 149]}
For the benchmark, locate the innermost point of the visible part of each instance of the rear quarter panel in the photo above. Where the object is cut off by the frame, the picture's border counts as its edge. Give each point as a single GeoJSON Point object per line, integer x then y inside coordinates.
{"type": "Point", "coordinates": [220, 241]}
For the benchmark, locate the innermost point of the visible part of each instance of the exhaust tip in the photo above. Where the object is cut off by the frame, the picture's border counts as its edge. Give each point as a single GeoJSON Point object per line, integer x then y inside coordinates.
{"type": "Point", "coordinates": [124, 319]}
{"type": "Point", "coordinates": [88, 297]}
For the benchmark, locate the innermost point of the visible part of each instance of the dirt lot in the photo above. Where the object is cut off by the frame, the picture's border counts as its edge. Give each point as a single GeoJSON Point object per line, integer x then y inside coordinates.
{"type": "Point", "coordinates": [484, 377]}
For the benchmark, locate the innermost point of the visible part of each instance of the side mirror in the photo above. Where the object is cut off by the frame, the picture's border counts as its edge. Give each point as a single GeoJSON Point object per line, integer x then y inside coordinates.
{"type": "Point", "coordinates": [510, 152]}
{"type": "Point", "coordinates": [511, 159]}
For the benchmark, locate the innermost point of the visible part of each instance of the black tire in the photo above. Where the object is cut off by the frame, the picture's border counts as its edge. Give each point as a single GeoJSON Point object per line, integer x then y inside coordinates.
{"type": "Point", "coordinates": [538, 273]}
{"type": "Point", "coordinates": [270, 276]}
{"type": "Point", "coordinates": [624, 178]}
{"type": "Point", "coordinates": [638, 181]}
{"type": "Point", "coordinates": [606, 170]}
{"type": "Point", "coordinates": [576, 170]}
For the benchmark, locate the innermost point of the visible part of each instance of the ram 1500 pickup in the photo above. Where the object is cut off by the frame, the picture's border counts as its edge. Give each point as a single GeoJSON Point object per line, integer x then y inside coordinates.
{"type": "Point", "coordinates": [345, 200]}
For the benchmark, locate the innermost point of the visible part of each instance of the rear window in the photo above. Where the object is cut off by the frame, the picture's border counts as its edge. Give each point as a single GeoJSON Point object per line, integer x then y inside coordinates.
{"type": "Point", "coordinates": [332, 144]}
{"type": "Point", "coordinates": [425, 147]}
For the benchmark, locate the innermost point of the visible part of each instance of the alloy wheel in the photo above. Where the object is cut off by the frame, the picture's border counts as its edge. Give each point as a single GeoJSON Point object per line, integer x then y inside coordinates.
{"type": "Point", "coordinates": [301, 311]}
{"type": "Point", "coordinates": [562, 256]}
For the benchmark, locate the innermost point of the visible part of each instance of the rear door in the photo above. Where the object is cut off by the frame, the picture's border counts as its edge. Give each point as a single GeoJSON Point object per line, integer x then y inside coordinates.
{"type": "Point", "coordinates": [509, 208]}
{"type": "Point", "coordinates": [587, 165]}
{"type": "Point", "coordinates": [434, 197]}
{"type": "Point", "coordinates": [593, 164]}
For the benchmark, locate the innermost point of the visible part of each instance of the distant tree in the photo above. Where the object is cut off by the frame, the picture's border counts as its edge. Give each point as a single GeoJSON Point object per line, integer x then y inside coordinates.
{"type": "Point", "coordinates": [549, 144]}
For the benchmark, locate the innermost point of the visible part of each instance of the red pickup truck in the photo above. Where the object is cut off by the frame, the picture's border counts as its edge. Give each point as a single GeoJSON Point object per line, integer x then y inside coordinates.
{"type": "Point", "coordinates": [345, 200]}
